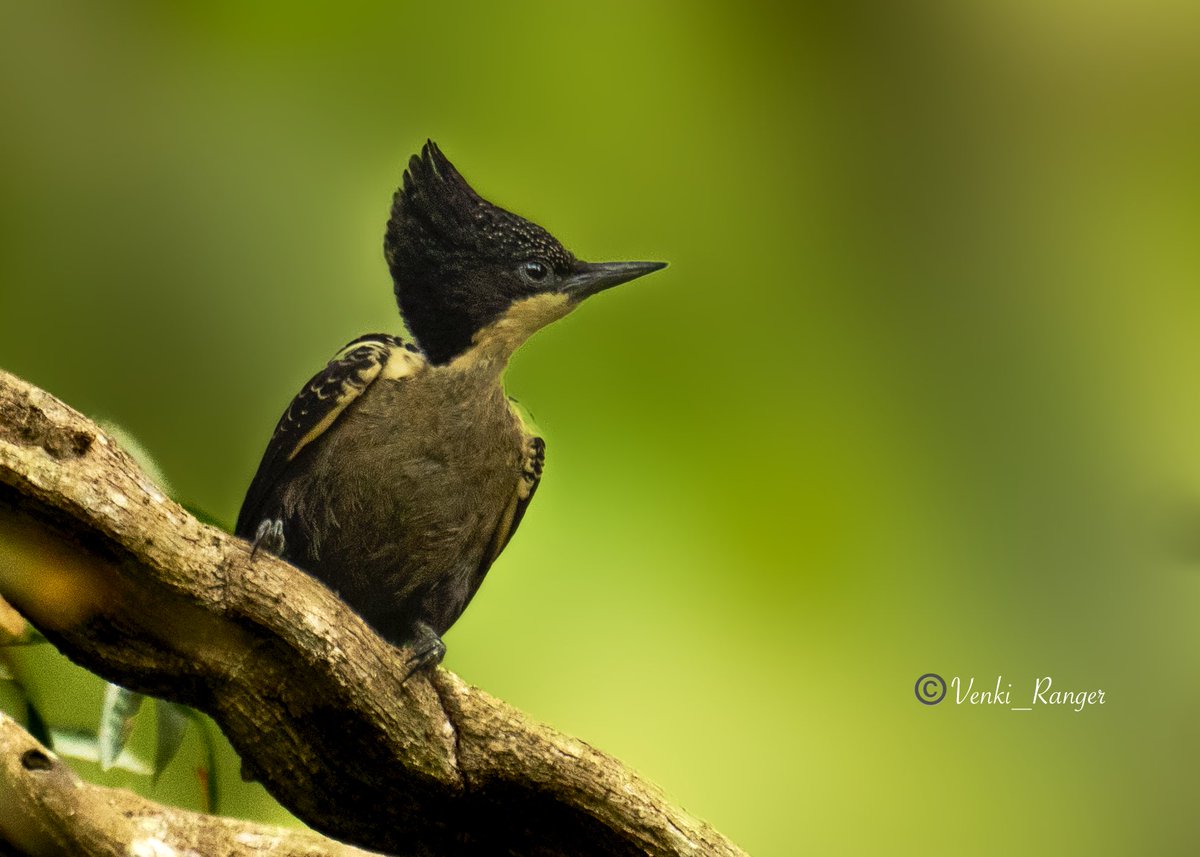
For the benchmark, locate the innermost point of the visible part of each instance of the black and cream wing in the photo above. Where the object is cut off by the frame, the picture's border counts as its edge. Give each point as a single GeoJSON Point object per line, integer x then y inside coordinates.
{"type": "Point", "coordinates": [316, 407]}
{"type": "Point", "coordinates": [531, 477]}
{"type": "Point", "coordinates": [533, 459]}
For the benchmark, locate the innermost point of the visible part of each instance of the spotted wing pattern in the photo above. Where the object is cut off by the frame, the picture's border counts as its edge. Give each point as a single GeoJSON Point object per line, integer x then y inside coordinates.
{"type": "Point", "coordinates": [317, 406]}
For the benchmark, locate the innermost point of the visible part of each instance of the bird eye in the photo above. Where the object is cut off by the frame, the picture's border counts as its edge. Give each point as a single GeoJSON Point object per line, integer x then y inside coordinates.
{"type": "Point", "coordinates": [535, 270]}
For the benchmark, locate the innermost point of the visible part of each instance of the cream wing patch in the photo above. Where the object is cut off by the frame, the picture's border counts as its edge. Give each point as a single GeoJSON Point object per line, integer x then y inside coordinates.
{"type": "Point", "coordinates": [351, 371]}
{"type": "Point", "coordinates": [317, 407]}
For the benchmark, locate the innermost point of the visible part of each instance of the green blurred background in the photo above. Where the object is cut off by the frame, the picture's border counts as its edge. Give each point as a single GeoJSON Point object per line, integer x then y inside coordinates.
{"type": "Point", "coordinates": [916, 394]}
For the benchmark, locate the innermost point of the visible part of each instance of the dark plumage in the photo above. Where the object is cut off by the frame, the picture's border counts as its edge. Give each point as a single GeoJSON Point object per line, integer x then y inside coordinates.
{"type": "Point", "coordinates": [398, 474]}
{"type": "Point", "coordinates": [455, 258]}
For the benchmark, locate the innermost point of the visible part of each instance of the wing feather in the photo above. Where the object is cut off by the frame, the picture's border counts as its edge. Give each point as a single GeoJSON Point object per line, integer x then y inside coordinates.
{"type": "Point", "coordinates": [531, 477]}
{"type": "Point", "coordinates": [317, 407]}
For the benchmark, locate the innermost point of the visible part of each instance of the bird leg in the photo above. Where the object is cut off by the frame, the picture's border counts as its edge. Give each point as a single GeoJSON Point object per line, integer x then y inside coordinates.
{"type": "Point", "coordinates": [269, 537]}
{"type": "Point", "coordinates": [425, 650]}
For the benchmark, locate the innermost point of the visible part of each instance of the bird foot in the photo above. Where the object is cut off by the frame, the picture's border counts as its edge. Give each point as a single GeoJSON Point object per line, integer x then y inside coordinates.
{"type": "Point", "coordinates": [426, 650]}
{"type": "Point", "coordinates": [269, 537]}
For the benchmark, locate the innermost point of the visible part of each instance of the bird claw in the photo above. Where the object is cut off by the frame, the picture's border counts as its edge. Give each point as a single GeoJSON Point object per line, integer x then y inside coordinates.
{"type": "Point", "coordinates": [268, 537]}
{"type": "Point", "coordinates": [425, 651]}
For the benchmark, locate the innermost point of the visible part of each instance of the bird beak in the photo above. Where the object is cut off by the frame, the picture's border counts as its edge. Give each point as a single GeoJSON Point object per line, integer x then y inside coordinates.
{"type": "Point", "coordinates": [587, 278]}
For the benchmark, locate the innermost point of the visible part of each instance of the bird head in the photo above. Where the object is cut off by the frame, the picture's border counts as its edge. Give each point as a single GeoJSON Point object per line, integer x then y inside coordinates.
{"type": "Point", "coordinates": [468, 273]}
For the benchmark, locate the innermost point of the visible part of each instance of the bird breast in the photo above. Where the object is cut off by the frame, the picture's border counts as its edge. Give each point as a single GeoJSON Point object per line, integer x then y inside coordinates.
{"type": "Point", "coordinates": [417, 473]}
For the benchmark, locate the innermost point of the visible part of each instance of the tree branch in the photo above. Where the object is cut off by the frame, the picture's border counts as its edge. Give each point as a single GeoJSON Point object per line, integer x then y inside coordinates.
{"type": "Point", "coordinates": [128, 584]}
{"type": "Point", "coordinates": [49, 810]}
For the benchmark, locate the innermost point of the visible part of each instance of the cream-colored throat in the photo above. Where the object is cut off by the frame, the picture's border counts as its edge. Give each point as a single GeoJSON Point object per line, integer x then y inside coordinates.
{"type": "Point", "coordinates": [495, 343]}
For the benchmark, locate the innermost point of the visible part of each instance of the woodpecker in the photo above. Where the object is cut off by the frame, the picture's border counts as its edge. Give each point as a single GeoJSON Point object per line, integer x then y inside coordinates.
{"type": "Point", "coordinates": [399, 473]}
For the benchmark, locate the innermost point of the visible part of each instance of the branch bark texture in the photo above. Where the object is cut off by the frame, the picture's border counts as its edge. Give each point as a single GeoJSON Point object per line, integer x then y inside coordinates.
{"type": "Point", "coordinates": [46, 810]}
{"type": "Point", "coordinates": [128, 584]}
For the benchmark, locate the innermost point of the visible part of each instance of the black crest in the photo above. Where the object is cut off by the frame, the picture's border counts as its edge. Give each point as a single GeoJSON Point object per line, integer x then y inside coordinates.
{"type": "Point", "coordinates": [456, 258]}
{"type": "Point", "coordinates": [436, 212]}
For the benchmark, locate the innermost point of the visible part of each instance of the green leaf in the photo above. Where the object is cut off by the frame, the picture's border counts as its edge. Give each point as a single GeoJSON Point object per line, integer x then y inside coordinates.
{"type": "Point", "coordinates": [116, 722]}
{"type": "Point", "coordinates": [84, 745]}
{"type": "Point", "coordinates": [172, 719]}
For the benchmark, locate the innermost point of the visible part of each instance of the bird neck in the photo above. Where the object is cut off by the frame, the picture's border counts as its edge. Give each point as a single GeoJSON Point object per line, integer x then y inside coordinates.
{"type": "Point", "coordinates": [494, 344]}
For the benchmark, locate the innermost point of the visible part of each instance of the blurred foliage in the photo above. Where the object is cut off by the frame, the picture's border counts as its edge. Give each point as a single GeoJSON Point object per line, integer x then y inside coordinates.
{"type": "Point", "coordinates": [916, 394]}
